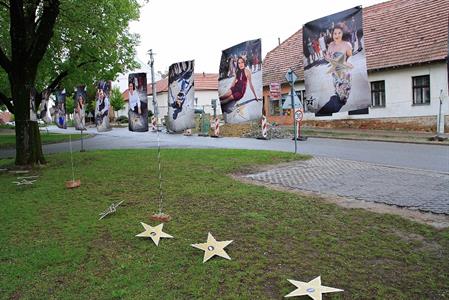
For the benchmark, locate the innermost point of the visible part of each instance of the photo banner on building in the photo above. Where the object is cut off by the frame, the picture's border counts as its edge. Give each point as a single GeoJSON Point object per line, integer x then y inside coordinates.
{"type": "Point", "coordinates": [138, 102]}
{"type": "Point", "coordinates": [102, 106]}
{"type": "Point", "coordinates": [181, 96]}
{"type": "Point", "coordinates": [60, 110]}
{"type": "Point", "coordinates": [240, 82]}
{"type": "Point", "coordinates": [335, 72]}
{"type": "Point", "coordinates": [80, 100]}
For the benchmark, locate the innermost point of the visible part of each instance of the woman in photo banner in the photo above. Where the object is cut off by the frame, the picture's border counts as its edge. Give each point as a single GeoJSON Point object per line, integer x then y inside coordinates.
{"type": "Point", "coordinates": [238, 87]}
{"type": "Point", "coordinates": [337, 54]}
{"type": "Point", "coordinates": [134, 101]}
{"type": "Point", "coordinates": [80, 112]}
{"type": "Point", "coordinates": [102, 111]}
{"type": "Point", "coordinates": [59, 110]}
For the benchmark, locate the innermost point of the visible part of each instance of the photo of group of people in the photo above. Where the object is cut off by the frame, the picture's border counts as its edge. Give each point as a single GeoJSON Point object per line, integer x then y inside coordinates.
{"type": "Point", "coordinates": [240, 82]}
{"type": "Point", "coordinates": [181, 96]}
{"type": "Point", "coordinates": [138, 102]}
{"type": "Point", "coordinates": [80, 98]}
{"type": "Point", "coordinates": [335, 71]}
{"type": "Point", "coordinates": [102, 106]}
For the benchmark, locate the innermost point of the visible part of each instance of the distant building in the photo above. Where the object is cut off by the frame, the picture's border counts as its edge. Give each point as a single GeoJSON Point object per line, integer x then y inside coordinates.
{"type": "Point", "coordinates": [206, 89]}
{"type": "Point", "coordinates": [406, 44]}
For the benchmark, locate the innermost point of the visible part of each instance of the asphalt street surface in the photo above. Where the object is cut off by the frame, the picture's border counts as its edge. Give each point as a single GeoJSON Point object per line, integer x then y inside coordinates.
{"type": "Point", "coordinates": [418, 156]}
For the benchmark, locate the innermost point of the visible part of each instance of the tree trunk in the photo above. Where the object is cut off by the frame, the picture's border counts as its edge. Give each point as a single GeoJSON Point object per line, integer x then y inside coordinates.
{"type": "Point", "coordinates": [28, 139]}
{"type": "Point", "coordinates": [28, 144]}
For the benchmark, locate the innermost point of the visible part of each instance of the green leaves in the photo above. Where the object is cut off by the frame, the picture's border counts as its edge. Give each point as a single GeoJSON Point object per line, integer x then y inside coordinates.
{"type": "Point", "coordinates": [116, 99]}
{"type": "Point", "coordinates": [91, 42]}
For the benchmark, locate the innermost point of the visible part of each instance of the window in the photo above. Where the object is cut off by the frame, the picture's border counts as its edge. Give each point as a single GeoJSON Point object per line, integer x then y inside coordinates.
{"type": "Point", "coordinates": [274, 107]}
{"type": "Point", "coordinates": [301, 95]}
{"type": "Point", "coordinates": [421, 90]}
{"type": "Point", "coordinates": [378, 93]}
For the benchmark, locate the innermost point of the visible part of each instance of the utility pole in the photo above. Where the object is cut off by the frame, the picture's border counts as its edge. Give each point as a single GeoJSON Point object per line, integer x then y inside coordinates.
{"type": "Point", "coordinates": [153, 88]}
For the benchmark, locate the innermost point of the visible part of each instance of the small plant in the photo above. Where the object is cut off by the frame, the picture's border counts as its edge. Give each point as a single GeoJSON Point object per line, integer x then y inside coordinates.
{"type": "Point", "coordinates": [122, 119]}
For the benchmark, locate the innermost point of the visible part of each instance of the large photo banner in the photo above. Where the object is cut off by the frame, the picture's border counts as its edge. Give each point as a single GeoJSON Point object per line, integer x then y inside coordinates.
{"type": "Point", "coordinates": [33, 111]}
{"type": "Point", "coordinates": [80, 97]}
{"type": "Point", "coordinates": [138, 102]}
{"type": "Point", "coordinates": [181, 96]}
{"type": "Point", "coordinates": [335, 72]}
{"type": "Point", "coordinates": [44, 111]}
{"type": "Point", "coordinates": [60, 112]}
{"type": "Point", "coordinates": [102, 106]}
{"type": "Point", "coordinates": [240, 82]}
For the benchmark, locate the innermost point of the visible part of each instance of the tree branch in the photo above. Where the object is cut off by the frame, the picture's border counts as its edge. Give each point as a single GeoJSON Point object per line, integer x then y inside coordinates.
{"type": "Point", "coordinates": [5, 63]}
{"type": "Point", "coordinates": [7, 101]}
{"type": "Point", "coordinates": [52, 86]}
{"type": "Point", "coordinates": [44, 31]}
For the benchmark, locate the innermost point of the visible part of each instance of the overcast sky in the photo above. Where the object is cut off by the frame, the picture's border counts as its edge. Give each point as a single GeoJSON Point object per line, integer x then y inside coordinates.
{"type": "Point", "coordinates": [179, 30]}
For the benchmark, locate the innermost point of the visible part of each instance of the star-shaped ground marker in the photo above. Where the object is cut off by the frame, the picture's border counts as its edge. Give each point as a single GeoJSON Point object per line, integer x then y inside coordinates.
{"type": "Point", "coordinates": [313, 289]}
{"type": "Point", "coordinates": [24, 182]}
{"type": "Point", "coordinates": [212, 247]}
{"type": "Point", "coordinates": [155, 233]}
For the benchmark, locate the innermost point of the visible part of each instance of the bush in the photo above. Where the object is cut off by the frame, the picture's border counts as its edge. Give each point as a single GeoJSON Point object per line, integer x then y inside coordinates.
{"type": "Point", "coordinates": [122, 119]}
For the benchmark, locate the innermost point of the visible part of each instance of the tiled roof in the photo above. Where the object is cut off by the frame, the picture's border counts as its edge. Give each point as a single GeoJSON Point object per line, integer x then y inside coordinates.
{"type": "Point", "coordinates": [203, 82]}
{"type": "Point", "coordinates": [397, 33]}
{"type": "Point", "coordinates": [287, 55]}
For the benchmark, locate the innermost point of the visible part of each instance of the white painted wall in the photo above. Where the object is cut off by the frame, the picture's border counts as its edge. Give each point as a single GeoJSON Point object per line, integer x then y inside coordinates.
{"type": "Point", "coordinates": [398, 94]}
{"type": "Point", "coordinates": [204, 99]}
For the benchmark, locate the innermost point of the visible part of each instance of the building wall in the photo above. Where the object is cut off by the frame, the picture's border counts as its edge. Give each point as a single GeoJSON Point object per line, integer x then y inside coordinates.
{"type": "Point", "coordinates": [204, 101]}
{"type": "Point", "coordinates": [398, 98]}
{"type": "Point", "coordinates": [286, 118]}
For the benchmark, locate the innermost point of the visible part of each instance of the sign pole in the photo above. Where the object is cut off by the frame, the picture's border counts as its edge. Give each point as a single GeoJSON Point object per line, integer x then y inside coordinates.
{"type": "Point", "coordinates": [82, 143]}
{"type": "Point", "coordinates": [291, 78]}
{"type": "Point", "coordinates": [153, 88]}
{"type": "Point", "coordinates": [294, 120]}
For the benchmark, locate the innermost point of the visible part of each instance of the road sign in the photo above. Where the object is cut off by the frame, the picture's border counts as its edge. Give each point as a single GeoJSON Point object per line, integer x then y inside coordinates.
{"type": "Point", "coordinates": [275, 90]}
{"type": "Point", "coordinates": [299, 115]}
{"type": "Point", "coordinates": [291, 76]}
{"type": "Point", "coordinates": [288, 103]}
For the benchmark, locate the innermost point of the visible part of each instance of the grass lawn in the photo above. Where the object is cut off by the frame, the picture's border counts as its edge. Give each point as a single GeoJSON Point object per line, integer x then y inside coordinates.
{"type": "Point", "coordinates": [54, 247]}
{"type": "Point", "coordinates": [8, 138]}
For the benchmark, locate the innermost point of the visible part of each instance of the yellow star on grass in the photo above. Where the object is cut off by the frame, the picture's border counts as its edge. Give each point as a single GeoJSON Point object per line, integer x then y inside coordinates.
{"type": "Point", "coordinates": [155, 233]}
{"type": "Point", "coordinates": [212, 247]}
{"type": "Point", "coordinates": [313, 289]}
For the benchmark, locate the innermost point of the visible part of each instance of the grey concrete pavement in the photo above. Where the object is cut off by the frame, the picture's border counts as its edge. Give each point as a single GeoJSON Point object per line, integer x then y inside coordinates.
{"type": "Point", "coordinates": [426, 191]}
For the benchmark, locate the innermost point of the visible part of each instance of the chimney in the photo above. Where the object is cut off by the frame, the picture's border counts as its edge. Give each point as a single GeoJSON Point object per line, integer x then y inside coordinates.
{"type": "Point", "coordinates": [204, 74]}
{"type": "Point", "coordinates": [279, 41]}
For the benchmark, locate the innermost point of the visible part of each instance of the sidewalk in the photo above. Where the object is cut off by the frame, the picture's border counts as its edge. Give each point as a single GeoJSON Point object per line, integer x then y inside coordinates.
{"type": "Point", "coordinates": [374, 135]}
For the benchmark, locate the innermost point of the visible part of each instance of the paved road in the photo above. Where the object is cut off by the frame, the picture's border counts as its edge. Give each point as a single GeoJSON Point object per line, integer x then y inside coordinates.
{"type": "Point", "coordinates": [425, 157]}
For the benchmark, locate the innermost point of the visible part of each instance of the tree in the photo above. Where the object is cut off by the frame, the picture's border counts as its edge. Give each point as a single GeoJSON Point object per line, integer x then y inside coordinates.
{"type": "Point", "coordinates": [48, 44]}
{"type": "Point", "coordinates": [116, 99]}
{"type": "Point", "coordinates": [69, 105]}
